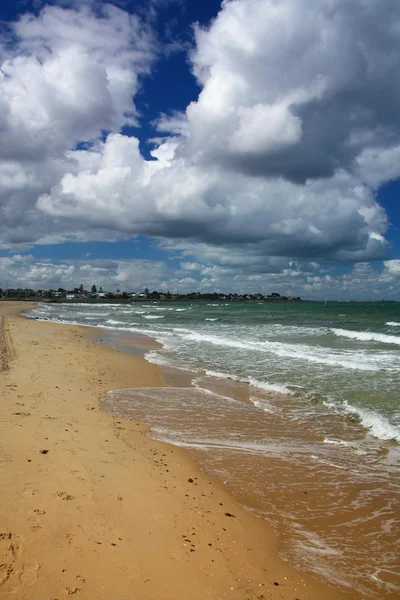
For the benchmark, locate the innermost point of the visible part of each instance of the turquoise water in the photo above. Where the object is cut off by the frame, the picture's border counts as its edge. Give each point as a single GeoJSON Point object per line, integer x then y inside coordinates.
{"type": "Point", "coordinates": [343, 356]}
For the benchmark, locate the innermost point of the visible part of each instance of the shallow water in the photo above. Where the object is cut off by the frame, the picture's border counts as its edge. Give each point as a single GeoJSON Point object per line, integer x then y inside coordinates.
{"type": "Point", "coordinates": [333, 502]}
{"type": "Point", "coordinates": [344, 355]}
{"type": "Point", "coordinates": [295, 407]}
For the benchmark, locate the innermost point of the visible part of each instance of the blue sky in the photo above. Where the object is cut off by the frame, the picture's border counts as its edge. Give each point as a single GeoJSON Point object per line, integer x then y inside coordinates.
{"type": "Point", "coordinates": [201, 146]}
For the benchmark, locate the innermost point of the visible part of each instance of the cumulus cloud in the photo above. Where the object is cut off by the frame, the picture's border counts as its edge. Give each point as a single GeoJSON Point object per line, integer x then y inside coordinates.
{"type": "Point", "coordinates": [70, 75]}
{"type": "Point", "coordinates": [24, 271]}
{"type": "Point", "coordinates": [392, 267]}
{"type": "Point", "coordinates": [296, 88]}
{"type": "Point", "coordinates": [307, 279]}
{"type": "Point", "coordinates": [113, 186]}
{"type": "Point", "coordinates": [278, 159]}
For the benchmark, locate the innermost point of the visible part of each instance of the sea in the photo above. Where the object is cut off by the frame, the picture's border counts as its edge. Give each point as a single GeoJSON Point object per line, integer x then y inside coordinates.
{"type": "Point", "coordinates": [295, 406]}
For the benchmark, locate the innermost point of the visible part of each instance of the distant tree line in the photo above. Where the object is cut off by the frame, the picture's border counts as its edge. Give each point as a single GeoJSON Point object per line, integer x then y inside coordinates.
{"type": "Point", "coordinates": [81, 295]}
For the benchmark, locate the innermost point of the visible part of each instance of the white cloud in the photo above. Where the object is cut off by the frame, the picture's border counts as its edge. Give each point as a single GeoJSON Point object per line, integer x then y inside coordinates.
{"type": "Point", "coordinates": [274, 166]}
{"type": "Point", "coordinates": [112, 186]}
{"type": "Point", "coordinates": [309, 280]}
{"type": "Point", "coordinates": [392, 267]}
{"type": "Point", "coordinates": [296, 88]}
{"type": "Point", "coordinates": [71, 74]}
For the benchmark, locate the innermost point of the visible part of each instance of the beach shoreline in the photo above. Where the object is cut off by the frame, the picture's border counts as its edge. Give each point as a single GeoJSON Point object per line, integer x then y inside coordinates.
{"type": "Point", "coordinates": [92, 507]}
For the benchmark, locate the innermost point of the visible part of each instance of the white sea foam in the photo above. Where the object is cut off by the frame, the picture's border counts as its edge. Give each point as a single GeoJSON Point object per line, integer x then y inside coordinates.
{"type": "Point", "coordinates": [154, 317]}
{"type": "Point", "coordinates": [352, 360]}
{"type": "Point", "coordinates": [338, 443]}
{"type": "Point", "coordinates": [90, 314]}
{"type": "Point", "coordinates": [157, 358]}
{"type": "Point", "coordinates": [265, 406]}
{"type": "Point", "coordinates": [114, 322]}
{"type": "Point", "coordinates": [270, 387]}
{"type": "Point", "coordinates": [393, 324]}
{"type": "Point", "coordinates": [367, 336]}
{"type": "Point", "coordinates": [313, 543]}
{"type": "Point", "coordinates": [209, 319]}
{"type": "Point", "coordinates": [96, 304]}
{"type": "Point", "coordinates": [377, 424]}
{"type": "Point", "coordinates": [247, 447]}
{"type": "Point", "coordinates": [263, 385]}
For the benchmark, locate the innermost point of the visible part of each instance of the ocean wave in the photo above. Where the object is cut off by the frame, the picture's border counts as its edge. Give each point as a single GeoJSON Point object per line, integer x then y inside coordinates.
{"type": "Point", "coordinates": [367, 336]}
{"type": "Point", "coordinates": [351, 360]}
{"type": "Point", "coordinates": [393, 324]}
{"type": "Point", "coordinates": [157, 358]}
{"type": "Point", "coordinates": [95, 305]}
{"type": "Point", "coordinates": [265, 406]}
{"type": "Point", "coordinates": [174, 437]}
{"type": "Point", "coordinates": [90, 314]}
{"type": "Point", "coordinates": [263, 385]}
{"type": "Point", "coordinates": [114, 322]}
{"type": "Point", "coordinates": [378, 425]}
{"type": "Point", "coordinates": [333, 442]}
{"type": "Point", "coordinates": [154, 317]}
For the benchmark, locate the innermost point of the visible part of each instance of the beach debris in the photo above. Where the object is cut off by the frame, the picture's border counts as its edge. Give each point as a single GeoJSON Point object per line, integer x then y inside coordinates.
{"type": "Point", "coordinates": [228, 514]}
{"type": "Point", "coordinates": [190, 480]}
{"type": "Point", "coordinates": [43, 451]}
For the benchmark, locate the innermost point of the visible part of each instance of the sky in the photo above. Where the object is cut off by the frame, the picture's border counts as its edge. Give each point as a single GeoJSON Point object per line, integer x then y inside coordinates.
{"type": "Point", "coordinates": [237, 145]}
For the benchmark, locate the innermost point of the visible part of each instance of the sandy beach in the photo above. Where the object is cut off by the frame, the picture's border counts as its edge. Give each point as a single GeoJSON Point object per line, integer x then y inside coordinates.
{"type": "Point", "coordinates": [91, 507]}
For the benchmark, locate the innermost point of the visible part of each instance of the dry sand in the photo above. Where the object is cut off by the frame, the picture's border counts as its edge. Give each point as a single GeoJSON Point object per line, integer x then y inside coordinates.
{"type": "Point", "coordinates": [91, 507]}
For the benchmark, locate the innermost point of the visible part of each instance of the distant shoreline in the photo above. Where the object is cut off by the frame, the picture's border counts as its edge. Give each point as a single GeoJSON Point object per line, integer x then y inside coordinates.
{"type": "Point", "coordinates": [186, 299]}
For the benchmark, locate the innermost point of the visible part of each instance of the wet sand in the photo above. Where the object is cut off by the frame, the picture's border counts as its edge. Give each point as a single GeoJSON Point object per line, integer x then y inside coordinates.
{"type": "Point", "coordinates": [333, 505]}
{"type": "Point", "coordinates": [91, 507]}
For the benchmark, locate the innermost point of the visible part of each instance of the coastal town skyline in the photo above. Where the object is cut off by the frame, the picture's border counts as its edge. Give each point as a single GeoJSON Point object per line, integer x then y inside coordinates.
{"type": "Point", "coordinates": [238, 145]}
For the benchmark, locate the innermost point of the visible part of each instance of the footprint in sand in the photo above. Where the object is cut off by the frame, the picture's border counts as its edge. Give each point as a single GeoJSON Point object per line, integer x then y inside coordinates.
{"type": "Point", "coordinates": [28, 491]}
{"type": "Point", "coordinates": [29, 576]}
{"type": "Point", "coordinates": [9, 549]}
{"type": "Point", "coordinates": [65, 496]}
{"type": "Point", "coordinates": [5, 572]}
{"type": "Point", "coordinates": [72, 591]}
{"type": "Point", "coordinates": [34, 521]}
